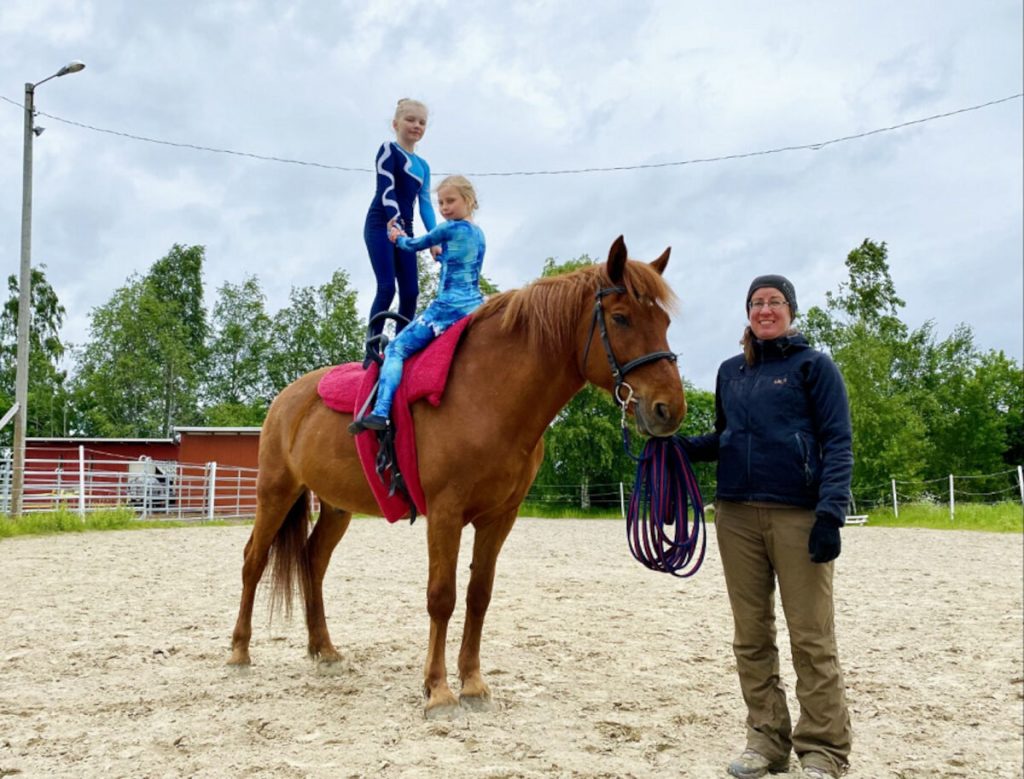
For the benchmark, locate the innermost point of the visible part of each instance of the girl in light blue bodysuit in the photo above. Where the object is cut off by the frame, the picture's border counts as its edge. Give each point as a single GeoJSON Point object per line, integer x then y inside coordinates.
{"type": "Point", "coordinates": [462, 255]}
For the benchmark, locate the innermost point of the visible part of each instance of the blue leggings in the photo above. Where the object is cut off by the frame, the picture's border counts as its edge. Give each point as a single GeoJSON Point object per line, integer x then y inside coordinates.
{"type": "Point", "coordinates": [391, 264]}
{"type": "Point", "coordinates": [415, 337]}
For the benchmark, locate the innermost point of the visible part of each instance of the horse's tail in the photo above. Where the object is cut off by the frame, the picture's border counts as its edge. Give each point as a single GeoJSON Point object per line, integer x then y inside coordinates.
{"type": "Point", "coordinates": [290, 563]}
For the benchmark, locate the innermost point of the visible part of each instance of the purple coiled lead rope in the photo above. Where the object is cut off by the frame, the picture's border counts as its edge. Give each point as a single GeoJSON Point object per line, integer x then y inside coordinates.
{"type": "Point", "coordinates": [663, 491]}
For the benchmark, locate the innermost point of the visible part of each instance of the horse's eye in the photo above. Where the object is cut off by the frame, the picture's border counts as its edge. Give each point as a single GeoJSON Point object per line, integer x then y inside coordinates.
{"type": "Point", "coordinates": [620, 319]}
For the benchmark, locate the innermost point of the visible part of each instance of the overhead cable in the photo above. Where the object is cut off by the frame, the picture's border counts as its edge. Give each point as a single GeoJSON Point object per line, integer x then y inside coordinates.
{"type": "Point", "coordinates": [558, 172]}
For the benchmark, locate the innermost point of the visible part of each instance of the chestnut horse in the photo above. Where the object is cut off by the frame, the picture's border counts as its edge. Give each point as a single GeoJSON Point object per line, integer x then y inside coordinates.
{"type": "Point", "coordinates": [524, 355]}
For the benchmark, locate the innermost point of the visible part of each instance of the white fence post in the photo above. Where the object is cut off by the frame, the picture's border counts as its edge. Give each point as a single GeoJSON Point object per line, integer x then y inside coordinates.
{"type": "Point", "coordinates": [895, 505]}
{"type": "Point", "coordinates": [1020, 482]}
{"type": "Point", "coordinates": [213, 488]}
{"type": "Point", "coordinates": [622, 499]}
{"type": "Point", "coordinates": [951, 503]}
{"type": "Point", "coordinates": [81, 482]}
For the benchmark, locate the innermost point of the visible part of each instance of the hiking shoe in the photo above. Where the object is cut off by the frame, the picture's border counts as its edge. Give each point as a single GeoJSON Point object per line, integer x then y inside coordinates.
{"type": "Point", "coordinates": [814, 772]}
{"type": "Point", "coordinates": [752, 764]}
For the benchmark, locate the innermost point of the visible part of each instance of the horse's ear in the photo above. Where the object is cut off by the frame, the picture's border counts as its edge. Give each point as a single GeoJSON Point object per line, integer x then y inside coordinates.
{"type": "Point", "coordinates": [660, 263]}
{"type": "Point", "coordinates": [617, 260]}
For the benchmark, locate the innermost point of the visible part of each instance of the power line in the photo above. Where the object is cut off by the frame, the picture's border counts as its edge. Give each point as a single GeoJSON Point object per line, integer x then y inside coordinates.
{"type": "Point", "coordinates": [562, 172]}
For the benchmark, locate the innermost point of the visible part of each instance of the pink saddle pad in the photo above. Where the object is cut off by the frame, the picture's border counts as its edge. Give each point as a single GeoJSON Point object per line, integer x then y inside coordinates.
{"type": "Point", "coordinates": [345, 388]}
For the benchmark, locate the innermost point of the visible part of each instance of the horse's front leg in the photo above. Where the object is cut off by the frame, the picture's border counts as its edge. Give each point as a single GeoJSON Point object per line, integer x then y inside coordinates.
{"type": "Point", "coordinates": [486, 546]}
{"type": "Point", "coordinates": [444, 532]}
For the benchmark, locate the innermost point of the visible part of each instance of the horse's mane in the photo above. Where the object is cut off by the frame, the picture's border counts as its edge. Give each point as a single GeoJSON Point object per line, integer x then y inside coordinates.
{"type": "Point", "coordinates": [549, 309]}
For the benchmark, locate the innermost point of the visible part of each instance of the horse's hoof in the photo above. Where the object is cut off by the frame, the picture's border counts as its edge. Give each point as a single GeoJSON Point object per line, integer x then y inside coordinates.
{"type": "Point", "coordinates": [442, 711]}
{"type": "Point", "coordinates": [331, 666]}
{"type": "Point", "coordinates": [239, 660]}
{"type": "Point", "coordinates": [477, 702]}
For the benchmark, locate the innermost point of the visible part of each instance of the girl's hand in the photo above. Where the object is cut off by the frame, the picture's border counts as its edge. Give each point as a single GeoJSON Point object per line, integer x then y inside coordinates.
{"type": "Point", "coordinates": [435, 252]}
{"type": "Point", "coordinates": [394, 230]}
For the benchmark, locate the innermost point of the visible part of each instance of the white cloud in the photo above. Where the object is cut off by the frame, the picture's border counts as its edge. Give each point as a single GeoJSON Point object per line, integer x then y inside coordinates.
{"type": "Point", "coordinates": [533, 86]}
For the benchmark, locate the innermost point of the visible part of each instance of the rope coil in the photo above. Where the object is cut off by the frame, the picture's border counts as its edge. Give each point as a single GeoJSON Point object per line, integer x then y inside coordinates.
{"type": "Point", "coordinates": [664, 492]}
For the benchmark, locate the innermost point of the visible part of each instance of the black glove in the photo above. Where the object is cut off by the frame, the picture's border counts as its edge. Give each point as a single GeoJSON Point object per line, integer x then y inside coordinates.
{"type": "Point", "coordinates": [824, 543]}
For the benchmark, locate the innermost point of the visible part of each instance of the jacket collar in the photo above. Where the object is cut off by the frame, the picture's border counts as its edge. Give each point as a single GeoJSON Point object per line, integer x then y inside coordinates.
{"type": "Point", "coordinates": [780, 348]}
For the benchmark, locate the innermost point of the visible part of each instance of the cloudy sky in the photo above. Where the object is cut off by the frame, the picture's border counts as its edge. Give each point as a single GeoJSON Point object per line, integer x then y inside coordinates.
{"type": "Point", "coordinates": [531, 86]}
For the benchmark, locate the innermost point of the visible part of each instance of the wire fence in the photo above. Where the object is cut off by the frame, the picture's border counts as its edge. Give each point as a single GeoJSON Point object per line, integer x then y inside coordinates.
{"type": "Point", "coordinates": [999, 487]}
{"type": "Point", "coordinates": [167, 489]}
{"type": "Point", "coordinates": [608, 496]}
{"type": "Point", "coordinates": [986, 488]}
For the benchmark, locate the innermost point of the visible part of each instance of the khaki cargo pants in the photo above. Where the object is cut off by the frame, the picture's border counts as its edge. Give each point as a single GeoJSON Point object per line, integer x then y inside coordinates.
{"type": "Point", "coordinates": [759, 543]}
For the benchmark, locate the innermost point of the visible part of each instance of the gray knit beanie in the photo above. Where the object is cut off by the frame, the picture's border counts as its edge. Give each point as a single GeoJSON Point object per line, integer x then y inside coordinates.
{"type": "Point", "coordinates": [781, 283]}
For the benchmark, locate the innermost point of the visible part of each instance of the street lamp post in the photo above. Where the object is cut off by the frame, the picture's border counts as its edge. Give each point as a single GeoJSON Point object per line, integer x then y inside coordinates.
{"type": "Point", "coordinates": [25, 296]}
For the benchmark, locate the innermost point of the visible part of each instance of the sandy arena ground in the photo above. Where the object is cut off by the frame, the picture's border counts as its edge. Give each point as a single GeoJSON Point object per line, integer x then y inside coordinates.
{"type": "Point", "coordinates": [113, 649]}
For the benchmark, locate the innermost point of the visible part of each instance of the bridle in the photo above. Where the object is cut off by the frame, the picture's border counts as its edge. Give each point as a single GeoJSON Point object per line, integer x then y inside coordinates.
{"type": "Point", "coordinates": [665, 490]}
{"type": "Point", "coordinates": [618, 371]}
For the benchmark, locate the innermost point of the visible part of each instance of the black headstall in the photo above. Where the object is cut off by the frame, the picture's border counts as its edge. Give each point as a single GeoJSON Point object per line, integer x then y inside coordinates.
{"type": "Point", "coordinates": [618, 371]}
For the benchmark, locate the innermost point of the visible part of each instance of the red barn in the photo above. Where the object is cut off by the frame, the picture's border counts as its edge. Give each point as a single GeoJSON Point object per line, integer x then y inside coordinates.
{"type": "Point", "coordinates": [197, 465]}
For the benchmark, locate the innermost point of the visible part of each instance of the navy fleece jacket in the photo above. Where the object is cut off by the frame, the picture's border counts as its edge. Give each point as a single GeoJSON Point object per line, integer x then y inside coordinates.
{"type": "Point", "coordinates": [782, 429]}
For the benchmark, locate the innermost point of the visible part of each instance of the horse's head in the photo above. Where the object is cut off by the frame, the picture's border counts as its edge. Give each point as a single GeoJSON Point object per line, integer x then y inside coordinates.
{"type": "Point", "coordinates": [624, 346]}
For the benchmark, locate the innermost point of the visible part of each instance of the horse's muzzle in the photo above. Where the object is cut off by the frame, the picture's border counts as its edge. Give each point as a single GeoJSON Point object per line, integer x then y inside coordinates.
{"type": "Point", "coordinates": [659, 418]}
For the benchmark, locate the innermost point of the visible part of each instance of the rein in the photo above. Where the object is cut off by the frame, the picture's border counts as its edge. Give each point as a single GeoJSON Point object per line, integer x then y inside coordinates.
{"type": "Point", "coordinates": [665, 488]}
{"type": "Point", "coordinates": [664, 492]}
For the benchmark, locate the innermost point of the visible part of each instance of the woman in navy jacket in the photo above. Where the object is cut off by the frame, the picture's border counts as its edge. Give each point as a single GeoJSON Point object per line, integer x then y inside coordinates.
{"type": "Point", "coordinates": [403, 178]}
{"type": "Point", "coordinates": [783, 443]}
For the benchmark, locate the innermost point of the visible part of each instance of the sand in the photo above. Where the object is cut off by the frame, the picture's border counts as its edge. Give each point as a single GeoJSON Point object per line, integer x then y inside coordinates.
{"type": "Point", "coordinates": [113, 649]}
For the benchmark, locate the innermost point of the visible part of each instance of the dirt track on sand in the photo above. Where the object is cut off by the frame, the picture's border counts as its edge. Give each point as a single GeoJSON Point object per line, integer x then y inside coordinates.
{"type": "Point", "coordinates": [113, 649]}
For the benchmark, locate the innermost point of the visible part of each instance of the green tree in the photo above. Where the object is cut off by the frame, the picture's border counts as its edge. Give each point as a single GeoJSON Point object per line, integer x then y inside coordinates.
{"type": "Point", "coordinates": [972, 406]}
{"type": "Point", "coordinates": [861, 328]}
{"type": "Point", "coordinates": [236, 386]}
{"type": "Point", "coordinates": [138, 374]}
{"type": "Point", "coordinates": [47, 391]}
{"type": "Point", "coordinates": [1001, 382]}
{"type": "Point", "coordinates": [319, 327]}
{"type": "Point", "coordinates": [921, 407]}
{"type": "Point", "coordinates": [583, 446]}
{"type": "Point", "coordinates": [177, 280]}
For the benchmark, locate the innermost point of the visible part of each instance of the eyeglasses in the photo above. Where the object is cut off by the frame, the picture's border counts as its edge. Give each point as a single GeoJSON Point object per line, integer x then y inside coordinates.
{"type": "Point", "coordinates": [774, 305]}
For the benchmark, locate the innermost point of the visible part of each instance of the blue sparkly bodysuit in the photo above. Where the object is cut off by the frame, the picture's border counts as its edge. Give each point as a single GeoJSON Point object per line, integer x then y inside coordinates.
{"type": "Point", "coordinates": [462, 255]}
{"type": "Point", "coordinates": [402, 178]}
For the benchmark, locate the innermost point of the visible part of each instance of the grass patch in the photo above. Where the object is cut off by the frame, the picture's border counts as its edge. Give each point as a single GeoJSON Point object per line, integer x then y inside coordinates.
{"type": "Point", "coordinates": [994, 518]}
{"type": "Point", "coordinates": [549, 511]}
{"type": "Point", "coordinates": [998, 518]}
{"type": "Point", "coordinates": [66, 521]}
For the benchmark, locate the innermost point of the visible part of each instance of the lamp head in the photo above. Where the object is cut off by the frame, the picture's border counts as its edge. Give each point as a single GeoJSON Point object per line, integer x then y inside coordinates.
{"type": "Point", "coordinates": [72, 67]}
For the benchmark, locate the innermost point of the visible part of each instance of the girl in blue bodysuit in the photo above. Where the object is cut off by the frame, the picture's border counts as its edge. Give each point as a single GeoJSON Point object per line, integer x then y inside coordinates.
{"type": "Point", "coordinates": [462, 255]}
{"type": "Point", "coordinates": [402, 177]}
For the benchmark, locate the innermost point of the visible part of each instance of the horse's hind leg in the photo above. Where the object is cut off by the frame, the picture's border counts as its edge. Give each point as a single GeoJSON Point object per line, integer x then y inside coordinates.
{"type": "Point", "coordinates": [327, 532]}
{"type": "Point", "coordinates": [487, 544]}
{"type": "Point", "coordinates": [272, 507]}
